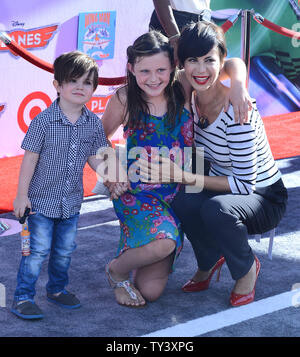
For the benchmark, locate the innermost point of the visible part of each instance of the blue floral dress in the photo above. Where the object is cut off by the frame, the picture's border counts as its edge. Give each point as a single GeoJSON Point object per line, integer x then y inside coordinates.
{"type": "Point", "coordinates": [144, 212]}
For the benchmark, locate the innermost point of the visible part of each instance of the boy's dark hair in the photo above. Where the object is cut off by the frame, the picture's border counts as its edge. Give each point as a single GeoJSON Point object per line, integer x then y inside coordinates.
{"type": "Point", "coordinates": [149, 44]}
{"type": "Point", "coordinates": [198, 38]}
{"type": "Point", "coordinates": [73, 65]}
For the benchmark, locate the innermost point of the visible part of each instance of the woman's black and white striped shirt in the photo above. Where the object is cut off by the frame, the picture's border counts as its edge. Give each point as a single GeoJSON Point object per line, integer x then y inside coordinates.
{"type": "Point", "coordinates": [240, 152]}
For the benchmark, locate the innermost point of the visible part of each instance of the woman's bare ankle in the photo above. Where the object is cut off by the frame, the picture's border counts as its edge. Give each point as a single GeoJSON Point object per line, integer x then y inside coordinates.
{"type": "Point", "coordinates": [201, 275]}
{"type": "Point", "coordinates": [246, 284]}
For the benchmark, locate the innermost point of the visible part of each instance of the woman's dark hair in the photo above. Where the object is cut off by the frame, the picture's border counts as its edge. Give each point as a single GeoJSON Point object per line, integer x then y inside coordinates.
{"type": "Point", "coordinates": [198, 38]}
{"type": "Point", "coordinates": [73, 65]}
{"type": "Point", "coordinates": [149, 44]}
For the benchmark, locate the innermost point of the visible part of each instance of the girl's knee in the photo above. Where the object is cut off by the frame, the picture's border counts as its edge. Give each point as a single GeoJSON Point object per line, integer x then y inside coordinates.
{"type": "Point", "coordinates": [149, 295]}
{"type": "Point", "coordinates": [152, 280]}
{"type": "Point", "coordinates": [152, 290]}
{"type": "Point", "coordinates": [162, 248]}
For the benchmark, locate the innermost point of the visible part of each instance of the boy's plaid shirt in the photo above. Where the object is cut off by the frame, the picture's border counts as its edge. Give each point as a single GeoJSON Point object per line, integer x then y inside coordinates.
{"type": "Point", "coordinates": [56, 188]}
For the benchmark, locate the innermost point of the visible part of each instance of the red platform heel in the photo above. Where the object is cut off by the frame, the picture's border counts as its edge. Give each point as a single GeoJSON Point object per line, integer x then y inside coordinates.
{"type": "Point", "coordinates": [193, 286]}
{"type": "Point", "coordinates": [244, 299]}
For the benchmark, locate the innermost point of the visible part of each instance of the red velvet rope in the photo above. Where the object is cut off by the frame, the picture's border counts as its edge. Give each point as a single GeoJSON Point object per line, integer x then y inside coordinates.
{"type": "Point", "coordinates": [111, 81]}
{"type": "Point", "coordinates": [227, 25]}
{"type": "Point", "coordinates": [28, 56]}
{"type": "Point", "coordinates": [279, 29]}
{"type": "Point", "coordinates": [19, 50]}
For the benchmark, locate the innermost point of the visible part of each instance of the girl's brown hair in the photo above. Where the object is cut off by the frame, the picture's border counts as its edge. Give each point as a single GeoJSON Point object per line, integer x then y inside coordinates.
{"type": "Point", "coordinates": [149, 44]}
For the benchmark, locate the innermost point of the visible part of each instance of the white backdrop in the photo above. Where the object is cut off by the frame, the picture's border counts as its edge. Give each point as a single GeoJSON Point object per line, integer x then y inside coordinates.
{"type": "Point", "coordinates": [26, 89]}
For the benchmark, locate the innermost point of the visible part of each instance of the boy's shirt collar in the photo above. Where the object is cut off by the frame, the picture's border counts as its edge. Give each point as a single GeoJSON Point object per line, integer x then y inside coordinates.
{"type": "Point", "coordinates": [59, 115]}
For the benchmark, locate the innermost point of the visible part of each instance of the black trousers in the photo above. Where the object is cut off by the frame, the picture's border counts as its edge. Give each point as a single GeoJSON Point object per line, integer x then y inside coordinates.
{"type": "Point", "coordinates": [218, 224]}
{"type": "Point", "coordinates": [182, 18]}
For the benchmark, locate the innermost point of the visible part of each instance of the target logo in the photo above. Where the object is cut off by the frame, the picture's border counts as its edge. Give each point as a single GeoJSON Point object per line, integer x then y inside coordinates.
{"type": "Point", "coordinates": [2, 108]}
{"type": "Point", "coordinates": [31, 106]}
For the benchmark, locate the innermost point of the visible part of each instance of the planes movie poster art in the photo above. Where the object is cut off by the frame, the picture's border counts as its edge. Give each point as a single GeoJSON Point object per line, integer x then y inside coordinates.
{"type": "Point", "coordinates": [96, 34]}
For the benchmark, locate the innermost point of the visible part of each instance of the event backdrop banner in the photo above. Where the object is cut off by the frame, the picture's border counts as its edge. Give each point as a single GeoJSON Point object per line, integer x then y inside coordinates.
{"type": "Point", "coordinates": [96, 34]}
{"type": "Point", "coordinates": [104, 29]}
{"type": "Point", "coordinates": [48, 29]}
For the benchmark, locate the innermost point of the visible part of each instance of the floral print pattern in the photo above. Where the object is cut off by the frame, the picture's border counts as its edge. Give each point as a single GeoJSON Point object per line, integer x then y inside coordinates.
{"type": "Point", "coordinates": [144, 212]}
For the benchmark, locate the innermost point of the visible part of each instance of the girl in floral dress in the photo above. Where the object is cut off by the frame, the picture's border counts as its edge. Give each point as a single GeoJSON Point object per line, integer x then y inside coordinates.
{"type": "Point", "coordinates": [156, 117]}
{"type": "Point", "coordinates": [154, 109]}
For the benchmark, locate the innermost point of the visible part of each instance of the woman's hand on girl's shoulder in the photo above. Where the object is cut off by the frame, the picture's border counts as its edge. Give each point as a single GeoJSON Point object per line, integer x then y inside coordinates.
{"type": "Point", "coordinates": [238, 96]}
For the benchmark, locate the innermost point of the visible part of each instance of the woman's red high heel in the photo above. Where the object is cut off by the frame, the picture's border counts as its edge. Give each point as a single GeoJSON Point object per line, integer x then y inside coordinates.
{"type": "Point", "coordinates": [244, 299]}
{"type": "Point", "coordinates": [193, 286]}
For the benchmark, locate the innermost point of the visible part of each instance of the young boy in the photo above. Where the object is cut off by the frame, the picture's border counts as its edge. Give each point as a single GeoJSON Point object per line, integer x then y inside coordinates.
{"type": "Point", "coordinates": [58, 143]}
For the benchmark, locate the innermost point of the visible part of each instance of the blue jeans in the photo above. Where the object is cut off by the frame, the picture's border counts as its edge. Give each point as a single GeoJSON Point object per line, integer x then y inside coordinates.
{"type": "Point", "coordinates": [47, 235]}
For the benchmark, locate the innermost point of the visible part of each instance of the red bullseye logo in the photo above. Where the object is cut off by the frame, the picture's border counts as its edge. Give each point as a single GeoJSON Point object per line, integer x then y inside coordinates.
{"type": "Point", "coordinates": [30, 107]}
{"type": "Point", "coordinates": [2, 107]}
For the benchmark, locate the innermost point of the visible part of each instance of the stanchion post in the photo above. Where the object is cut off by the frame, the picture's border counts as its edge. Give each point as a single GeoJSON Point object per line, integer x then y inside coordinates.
{"type": "Point", "coordinates": [245, 40]}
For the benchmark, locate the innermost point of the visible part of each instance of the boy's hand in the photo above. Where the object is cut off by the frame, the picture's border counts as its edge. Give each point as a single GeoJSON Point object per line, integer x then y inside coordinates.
{"type": "Point", "coordinates": [20, 204]}
{"type": "Point", "coordinates": [116, 189]}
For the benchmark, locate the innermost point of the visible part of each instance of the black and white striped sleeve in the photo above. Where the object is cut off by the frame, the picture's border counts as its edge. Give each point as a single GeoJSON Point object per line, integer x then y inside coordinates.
{"type": "Point", "coordinates": [242, 144]}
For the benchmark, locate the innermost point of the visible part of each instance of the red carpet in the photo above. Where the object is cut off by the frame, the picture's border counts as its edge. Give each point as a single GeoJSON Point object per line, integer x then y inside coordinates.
{"type": "Point", "coordinates": [9, 168]}
{"type": "Point", "coordinates": [283, 132]}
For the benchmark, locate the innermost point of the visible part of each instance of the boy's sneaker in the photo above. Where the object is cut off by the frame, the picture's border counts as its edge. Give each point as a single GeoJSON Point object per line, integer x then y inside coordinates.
{"type": "Point", "coordinates": [27, 310]}
{"type": "Point", "coordinates": [64, 299]}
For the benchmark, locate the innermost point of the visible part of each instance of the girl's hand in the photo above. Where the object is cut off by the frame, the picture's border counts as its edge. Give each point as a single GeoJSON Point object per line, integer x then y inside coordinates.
{"type": "Point", "coordinates": [164, 171]}
{"type": "Point", "coordinates": [241, 102]}
{"type": "Point", "coordinates": [116, 189]}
